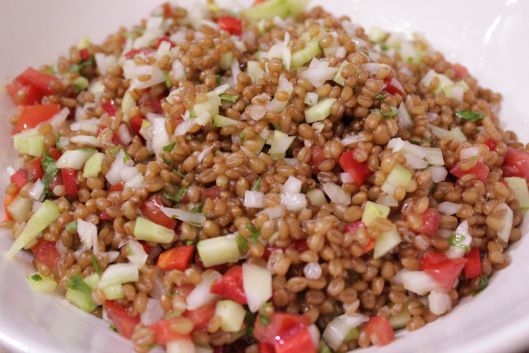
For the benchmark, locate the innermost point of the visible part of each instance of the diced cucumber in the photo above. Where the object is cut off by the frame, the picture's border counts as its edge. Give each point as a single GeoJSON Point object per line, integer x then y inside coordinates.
{"type": "Point", "coordinates": [338, 78]}
{"type": "Point", "coordinates": [219, 250]}
{"type": "Point", "coordinates": [399, 176]}
{"type": "Point", "coordinates": [455, 133]}
{"type": "Point", "coordinates": [353, 334]}
{"type": "Point", "coordinates": [316, 197]}
{"type": "Point", "coordinates": [257, 285]}
{"type": "Point", "coordinates": [373, 211]}
{"type": "Point", "coordinates": [279, 142]}
{"type": "Point", "coordinates": [93, 165]}
{"type": "Point", "coordinates": [30, 143]}
{"type": "Point", "coordinates": [320, 111]}
{"type": "Point", "coordinates": [150, 231]}
{"type": "Point", "coordinates": [268, 10]}
{"type": "Point", "coordinates": [254, 71]}
{"type": "Point", "coordinates": [401, 319]}
{"type": "Point", "coordinates": [222, 121]}
{"type": "Point", "coordinates": [47, 213]}
{"type": "Point", "coordinates": [225, 61]}
{"type": "Point", "coordinates": [127, 104]}
{"type": "Point", "coordinates": [19, 208]}
{"type": "Point", "coordinates": [211, 106]}
{"type": "Point", "coordinates": [81, 300]}
{"type": "Point", "coordinates": [297, 6]}
{"type": "Point", "coordinates": [231, 315]}
{"type": "Point", "coordinates": [83, 43]}
{"type": "Point", "coordinates": [41, 283]}
{"type": "Point", "coordinates": [114, 292]}
{"type": "Point", "coordinates": [303, 56]}
{"type": "Point", "coordinates": [74, 159]}
{"type": "Point", "coordinates": [92, 280]}
{"type": "Point", "coordinates": [118, 274]}
{"type": "Point", "coordinates": [386, 241]}
{"type": "Point", "coordinates": [521, 192]}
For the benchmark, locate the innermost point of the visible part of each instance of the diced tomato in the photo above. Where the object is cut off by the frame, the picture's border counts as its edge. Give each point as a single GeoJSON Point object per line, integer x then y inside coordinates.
{"type": "Point", "coordinates": [370, 245]}
{"type": "Point", "coordinates": [230, 286]}
{"type": "Point", "coordinates": [84, 54]}
{"type": "Point", "coordinates": [34, 169]}
{"type": "Point", "coordinates": [159, 41]}
{"type": "Point", "coordinates": [480, 170]}
{"type": "Point", "coordinates": [22, 94]}
{"type": "Point", "coordinates": [152, 210]}
{"type": "Point", "coordinates": [473, 266]}
{"type": "Point", "coordinates": [432, 259]}
{"type": "Point", "coordinates": [152, 103]}
{"type": "Point", "coordinates": [393, 86]}
{"type": "Point", "coordinates": [104, 216]}
{"type": "Point", "coordinates": [7, 201]}
{"type": "Point", "coordinates": [20, 178]}
{"type": "Point", "coordinates": [379, 330]}
{"type": "Point", "coordinates": [358, 171]}
{"type": "Point", "coordinates": [265, 348]}
{"type": "Point", "coordinates": [212, 192]}
{"type": "Point", "coordinates": [176, 259]}
{"type": "Point", "coordinates": [46, 252]}
{"type": "Point", "coordinates": [295, 340]}
{"type": "Point", "coordinates": [279, 324]}
{"type": "Point", "coordinates": [460, 71]}
{"type": "Point", "coordinates": [301, 245]}
{"type": "Point", "coordinates": [491, 144]}
{"type": "Point", "coordinates": [446, 272]}
{"type": "Point", "coordinates": [163, 333]}
{"type": "Point", "coordinates": [54, 153]}
{"type": "Point", "coordinates": [120, 317]}
{"type": "Point", "coordinates": [352, 227]}
{"type": "Point", "coordinates": [117, 187]}
{"type": "Point", "coordinates": [132, 53]}
{"type": "Point", "coordinates": [32, 115]}
{"type": "Point", "coordinates": [146, 247]}
{"type": "Point", "coordinates": [167, 11]}
{"type": "Point", "coordinates": [202, 315]}
{"type": "Point", "coordinates": [109, 107]}
{"type": "Point", "coordinates": [232, 25]}
{"type": "Point", "coordinates": [430, 222]}
{"type": "Point", "coordinates": [69, 180]}
{"type": "Point", "coordinates": [516, 163]}
{"type": "Point", "coordinates": [135, 123]}
{"type": "Point", "coordinates": [317, 157]}
{"type": "Point", "coordinates": [38, 79]}
{"type": "Point", "coordinates": [116, 139]}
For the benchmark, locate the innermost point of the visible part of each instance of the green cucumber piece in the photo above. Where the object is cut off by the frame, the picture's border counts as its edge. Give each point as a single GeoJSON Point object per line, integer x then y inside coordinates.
{"type": "Point", "coordinates": [219, 250]}
{"type": "Point", "coordinates": [401, 319]}
{"type": "Point", "coordinates": [81, 300]}
{"type": "Point", "coordinates": [268, 10]}
{"type": "Point", "coordinates": [222, 121]}
{"type": "Point", "coordinates": [225, 61]}
{"type": "Point", "coordinates": [279, 143]}
{"type": "Point", "coordinates": [386, 241]}
{"type": "Point", "coordinates": [127, 104]}
{"type": "Point", "coordinates": [303, 56]}
{"type": "Point", "coordinates": [30, 143]}
{"type": "Point", "coordinates": [338, 78]}
{"type": "Point", "coordinates": [319, 111]}
{"type": "Point", "coordinates": [399, 176]}
{"type": "Point", "coordinates": [150, 231]}
{"type": "Point", "coordinates": [19, 208]}
{"type": "Point", "coordinates": [521, 192]}
{"type": "Point", "coordinates": [373, 211]}
{"type": "Point", "coordinates": [231, 315]}
{"type": "Point", "coordinates": [93, 165]}
{"type": "Point", "coordinates": [40, 283]}
{"type": "Point", "coordinates": [92, 280]}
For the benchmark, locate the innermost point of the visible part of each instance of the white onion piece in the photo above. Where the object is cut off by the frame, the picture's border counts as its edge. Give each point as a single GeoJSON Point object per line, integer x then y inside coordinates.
{"type": "Point", "coordinates": [292, 184]}
{"type": "Point", "coordinates": [253, 199]}
{"type": "Point", "coordinates": [346, 178]}
{"type": "Point", "coordinates": [341, 52]}
{"type": "Point", "coordinates": [257, 285]}
{"type": "Point", "coordinates": [318, 72]}
{"type": "Point", "coordinates": [153, 312]}
{"type": "Point", "coordinates": [201, 295]}
{"type": "Point", "coordinates": [404, 119]}
{"type": "Point", "coordinates": [312, 270]}
{"type": "Point", "coordinates": [90, 125]}
{"type": "Point", "coordinates": [505, 232]}
{"type": "Point", "coordinates": [136, 253]}
{"type": "Point", "coordinates": [124, 134]}
{"type": "Point", "coordinates": [73, 159]}
{"type": "Point", "coordinates": [111, 256]}
{"type": "Point", "coordinates": [439, 302]}
{"type": "Point", "coordinates": [160, 137]}
{"type": "Point", "coordinates": [37, 190]}
{"type": "Point", "coordinates": [353, 138]}
{"type": "Point", "coordinates": [388, 200]}
{"type": "Point", "coordinates": [59, 118]}
{"type": "Point", "coordinates": [235, 71]}
{"type": "Point", "coordinates": [311, 98]}
{"type": "Point", "coordinates": [178, 70]}
{"type": "Point", "coordinates": [276, 105]}
{"type": "Point", "coordinates": [462, 243]}
{"type": "Point", "coordinates": [274, 212]}
{"type": "Point", "coordinates": [193, 218]}
{"type": "Point", "coordinates": [256, 112]}
{"type": "Point", "coordinates": [113, 175]}
{"type": "Point", "coordinates": [86, 140]}
{"type": "Point", "coordinates": [418, 282]}
{"type": "Point", "coordinates": [448, 208]}
{"type": "Point", "coordinates": [339, 327]}
{"type": "Point", "coordinates": [337, 194]}
{"type": "Point", "coordinates": [439, 174]}
{"type": "Point", "coordinates": [293, 201]}
{"type": "Point", "coordinates": [314, 335]}
{"type": "Point", "coordinates": [415, 162]}
{"type": "Point", "coordinates": [156, 76]}
{"type": "Point", "coordinates": [469, 152]}
{"type": "Point", "coordinates": [372, 68]}
{"type": "Point", "coordinates": [104, 62]}
{"type": "Point", "coordinates": [88, 235]}
{"type": "Point", "coordinates": [184, 127]}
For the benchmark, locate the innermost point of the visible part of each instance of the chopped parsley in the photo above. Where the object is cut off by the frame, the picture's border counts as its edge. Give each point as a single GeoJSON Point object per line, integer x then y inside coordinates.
{"type": "Point", "coordinates": [169, 147]}
{"type": "Point", "coordinates": [256, 185]}
{"type": "Point", "coordinates": [229, 98]}
{"type": "Point", "coordinates": [198, 208]}
{"type": "Point", "coordinates": [177, 196]}
{"type": "Point", "coordinates": [77, 283]}
{"type": "Point", "coordinates": [95, 265]}
{"type": "Point", "coordinates": [458, 240]}
{"type": "Point", "coordinates": [115, 150]}
{"type": "Point", "coordinates": [179, 173]}
{"type": "Point", "coordinates": [36, 277]}
{"type": "Point", "coordinates": [126, 158]}
{"type": "Point", "coordinates": [242, 136]}
{"type": "Point", "coordinates": [50, 171]}
{"type": "Point", "coordinates": [168, 81]}
{"type": "Point", "coordinates": [217, 79]}
{"type": "Point", "coordinates": [71, 227]}
{"type": "Point", "coordinates": [391, 114]}
{"type": "Point", "coordinates": [254, 233]}
{"type": "Point", "coordinates": [192, 115]}
{"type": "Point", "coordinates": [380, 96]}
{"type": "Point", "coordinates": [263, 316]}
{"type": "Point", "coordinates": [250, 323]}
{"type": "Point", "coordinates": [79, 67]}
{"type": "Point", "coordinates": [242, 244]}
{"type": "Point", "coordinates": [482, 284]}
{"type": "Point", "coordinates": [470, 115]}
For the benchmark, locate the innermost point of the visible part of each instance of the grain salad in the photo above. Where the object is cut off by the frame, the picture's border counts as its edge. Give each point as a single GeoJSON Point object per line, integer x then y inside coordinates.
{"type": "Point", "coordinates": [274, 180]}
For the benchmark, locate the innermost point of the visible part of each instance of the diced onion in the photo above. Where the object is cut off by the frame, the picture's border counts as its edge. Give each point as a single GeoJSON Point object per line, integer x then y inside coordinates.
{"type": "Point", "coordinates": [504, 233]}
{"type": "Point", "coordinates": [124, 134]}
{"type": "Point", "coordinates": [201, 295]}
{"type": "Point", "coordinates": [439, 302]}
{"type": "Point", "coordinates": [257, 285]}
{"type": "Point", "coordinates": [118, 274]}
{"type": "Point", "coordinates": [353, 138]}
{"type": "Point", "coordinates": [469, 152]}
{"type": "Point", "coordinates": [464, 239]}
{"type": "Point", "coordinates": [37, 190]}
{"type": "Point", "coordinates": [311, 98]}
{"type": "Point", "coordinates": [89, 125]}
{"type": "Point", "coordinates": [318, 72]}
{"type": "Point", "coordinates": [178, 70]}
{"type": "Point", "coordinates": [439, 174]}
{"type": "Point", "coordinates": [160, 137]}
{"type": "Point", "coordinates": [372, 68]}
{"type": "Point", "coordinates": [184, 127]}
{"type": "Point", "coordinates": [104, 62]}
{"type": "Point", "coordinates": [346, 178]}
{"type": "Point", "coordinates": [153, 312]}
{"type": "Point", "coordinates": [337, 194]}
{"type": "Point", "coordinates": [387, 200]}
{"type": "Point", "coordinates": [292, 184]}
{"type": "Point", "coordinates": [136, 253]}
{"type": "Point", "coordinates": [253, 199]}
{"type": "Point", "coordinates": [193, 218]}
{"type": "Point", "coordinates": [339, 327]}
{"type": "Point", "coordinates": [73, 159]}
{"type": "Point", "coordinates": [417, 282]}
{"type": "Point", "coordinates": [293, 201]}
{"type": "Point", "coordinates": [256, 112]}
{"type": "Point", "coordinates": [448, 208]}
{"type": "Point", "coordinates": [404, 118]}
{"type": "Point", "coordinates": [88, 235]}
{"type": "Point", "coordinates": [314, 335]}
{"type": "Point", "coordinates": [274, 212]}
{"type": "Point", "coordinates": [276, 105]}
{"type": "Point", "coordinates": [85, 140]}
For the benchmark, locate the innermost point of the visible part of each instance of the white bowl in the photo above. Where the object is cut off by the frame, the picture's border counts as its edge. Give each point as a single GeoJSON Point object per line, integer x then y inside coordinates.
{"type": "Point", "coordinates": [489, 37]}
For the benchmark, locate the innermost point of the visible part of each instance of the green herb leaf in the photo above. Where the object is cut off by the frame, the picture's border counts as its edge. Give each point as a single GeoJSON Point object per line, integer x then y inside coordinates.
{"type": "Point", "coordinates": [229, 98]}
{"type": "Point", "coordinates": [380, 97]}
{"type": "Point", "coordinates": [126, 157]}
{"type": "Point", "coordinates": [324, 348]}
{"type": "Point", "coordinates": [71, 227]}
{"type": "Point", "coordinates": [50, 170]}
{"type": "Point", "coordinates": [482, 284]}
{"type": "Point", "coordinates": [256, 185]}
{"type": "Point", "coordinates": [190, 242]}
{"type": "Point", "coordinates": [178, 195]}
{"type": "Point", "coordinates": [95, 265]}
{"type": "Point", "coordinates": [391, 114]}
{"type": "Point", "coordinates": [180, 173]}
{"type": "Point", "coordinates": [198, 209]}
{"type": "Point", "coordinates": [218, 79]}
{"type": "Point", "coordinates": [470, 115]}
{"type": "Point", "coordinates": [77, 283]}
{"type": "Point", "coordinates": [242, 243]}
{"type": "Point", "coordinates": [192, 115]}
{"type": "Point", "coordinates": [458, 241]}
{"type": "Point", "coordinates": [79, 67]}
{"type": "Point", "coordinates": [249, 319]}
{"type": "Point", "coordinates": [242, 136]}
{"type": "Point", "coordinates": [169, 147]}
{"type": "Point", "coordinates": [254, 233]}
{"type": "Point", "coordinates": [36, 277]}
{"type": "Point", "coordinates": [114, 150]}
{"type": "Point", "coordinates": [263, 316]}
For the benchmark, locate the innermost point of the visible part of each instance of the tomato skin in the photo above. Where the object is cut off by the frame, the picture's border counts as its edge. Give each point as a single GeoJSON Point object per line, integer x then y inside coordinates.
{"type": "Point", "coordinates": [132, 53]}
{"type": "Point", "coordinates": [176, 259]}
{"type": "Point", "coordinates": [211, 193]}
{"type": "Point", "coordinates": [295, 340]}
{"type": "Point", "coordinates": [480, 170]}
{"type": "Point", "coordinates": [516, 163]}
{"type": "Point", "coordinates": [432, 259]}
{"type": "Point", "coordinates": [379, 330]}
{"type": "Point", "coordinates": [393, 86]}
{"type": "Point", "coordinates": [117, 187]}
{"type": "Point", "coordinates": [230, 286]}
{"type": "Point", "coordinates": [85, 55]}
{"type": "Point", "coordinates": [279, 324]}
{"type": "Point", "coordinates": [69, 180]}
{"type": "Point", "coordinates": [358, 171]}
{"type": "Point", "coordinates": [39, 80]}
{"type": "Point", "coordinates": [46, 252]}
{"type": "Point", "coordinates": [491, 144]}
{"type": "Point", "coordinates": [446, 272]}
{"type": "Point", "coordinates": [152, 210]}
{"type": "Point", "coordinates": [120, 317]}
{"type": "Point", "coordinates": [22, 94]}
{"type": "Point", "coordinates": [20, 178]}
{"type": "Point", "coordinates": [32, 115]}
{"type": "Point", "coordinates": [109, 107]}
{"type": "Point", "coordinates": [473, 266]}
{"type": "Point", "coordinates": [34, 169]}
{"type": "Point", "coordinates": [460, 71]}
{"type": "Point", "coordinates": [431, 220]}
{"type": "Point", "coordinates": [135, 123]}
{"type": "Point", "coordinates": [230, 24]}
{"type": "Point", "coordinates": [317, 157]}
{"type": "Point", "coordinates": [164, 334]}
{"type": "Point", "coordinates": [265, 348]}
{"type": "Point", "coordinates": [202, 315]}
{"type": "Point", "coordinates": [54, 153]}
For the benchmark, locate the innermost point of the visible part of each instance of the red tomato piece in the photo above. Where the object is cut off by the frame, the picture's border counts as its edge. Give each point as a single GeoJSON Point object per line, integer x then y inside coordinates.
{"type": "Point", "coordinates": [265, 348]}
{"type": "Point", "coordinates": [120, 317]}
{"type": "Point", "coordinates": [20, 178]}
{"type": "Point", "coordinates": [446, 273]}
{"type": "Point", "coordinates": [152, 210]}
{"type": "Point", "coordinates": [135, 123]}
{"type": "Point", "coordinates": [202, 315]}
{"type": "Point", "coordinates": [38, 79]}
{"type": "Point", "coordinates": [117, 187]}
{"type": "Point", "coordinates": [473, 266]}
{"type": "Point", "coordinates": [152, 103]}
{"type": "Point", "coordinates": [295, 340]}
{"type": "Point", "coordinates": [7, 201]}
{"type": "Point", "coordinates": [211, 193]}
{"type": "Point", "coordinates": [34, 169]}
{"type": "Point", "coordinates": [393, 86]}
{"type": "Point", "coordinates": [480, 170]}
{"type": "Point", "coordinates": [430, 222]}
{"type": "Point", "coordinates": [54, 153]}
{"type": "Point", "coordinates": [280, 324]}
{"type": "Point", "coordinates": [159, 41]}
{"type": "Point", "coordinates": [132, 53]}
{"type": "Point", "coordinates": [32, 115]}
{"type": "Point", "coordinates": [167, 10]}
{"type": "Point", "coordinates": [460, 71]}
{"type": "Point", "coordinates": [109, 107]}
{"type": "Point", "coordinates": [176, 258]}
{"type": "Point", "coordinates": [104, 216]}
{"type": "Point", "coordinates": [69, 180]}
{"type": "Point", "coordinates": [317, 157]}
{"type": "Point", "coordinates": [516, 163]}
{"type": "Point", "coordinates": [163, 333]}
{"type": "Point", "coordinates": [379, 330]}
{"type": "Point", "coordinates": [46, 252]}
{"type": "Point", "coordinates": [432, 259]}
{"type": "Point", "coordinates": [22, 94]}
{"type": "Point", "coordinates": [84, 54]}
{"type": "Point", "coordinates": [358, 171]}
{"type": "Point", "coordinates": [301, 245]}
{"type": "Point", "coordinates": [230, 286]}
{"type": "Point", "coordinates": [232, 25]}
{"type": "Point", "coordinates": [491, 144]}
